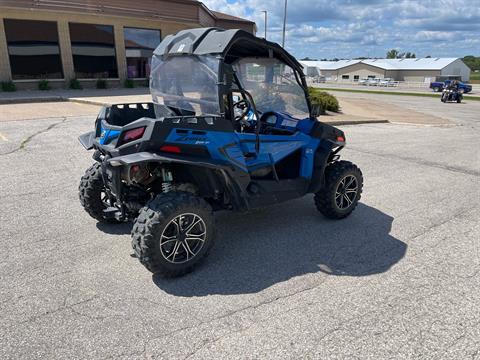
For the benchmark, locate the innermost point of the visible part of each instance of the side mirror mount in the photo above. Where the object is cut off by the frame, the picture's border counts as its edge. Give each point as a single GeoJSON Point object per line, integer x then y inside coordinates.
{"type": "Point", "coordinates": [316, 111]}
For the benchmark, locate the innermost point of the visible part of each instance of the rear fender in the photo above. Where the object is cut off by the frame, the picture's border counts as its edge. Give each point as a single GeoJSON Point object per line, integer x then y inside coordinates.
{"type": "Point", "coordinates": [218, 177]}
{"type": "Point", "coordinates": [144, 156]}
{"type": "Point", "coordinates": [87, 140]}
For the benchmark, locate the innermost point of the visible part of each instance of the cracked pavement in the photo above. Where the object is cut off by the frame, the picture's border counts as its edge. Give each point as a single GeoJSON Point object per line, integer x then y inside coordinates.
{"type": "Point", "coordinates": [397, 279]}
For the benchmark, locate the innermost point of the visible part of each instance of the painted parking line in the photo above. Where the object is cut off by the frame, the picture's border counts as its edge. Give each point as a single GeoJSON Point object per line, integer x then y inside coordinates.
{"type": "Point", "coordinates": [3, 137]}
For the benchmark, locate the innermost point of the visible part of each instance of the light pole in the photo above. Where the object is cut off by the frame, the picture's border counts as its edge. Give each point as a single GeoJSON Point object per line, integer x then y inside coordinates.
{"type": "Point", "coordinates": [284, 23]}
{"type": "Point", "coordinates": [265, 12]}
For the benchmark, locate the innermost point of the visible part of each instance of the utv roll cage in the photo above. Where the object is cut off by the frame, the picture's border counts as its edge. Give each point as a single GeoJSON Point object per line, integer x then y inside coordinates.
{"type": "Point", "coordinates": [228, 46]}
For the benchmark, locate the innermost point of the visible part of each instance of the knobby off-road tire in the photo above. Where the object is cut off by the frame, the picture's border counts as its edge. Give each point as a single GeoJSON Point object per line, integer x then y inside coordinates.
{"type": "Point", "coordinates": [173, 233]}
{"type": "Point", "coordinates": [91, 192]}
{"type": "Point", "coordinates": [342, 190]}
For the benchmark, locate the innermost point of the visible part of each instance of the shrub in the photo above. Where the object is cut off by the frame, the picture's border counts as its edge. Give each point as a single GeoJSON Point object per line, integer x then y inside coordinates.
{"type": "Point", "coordinates": [327, 101]}
{"type": "Point", "coordinates": [129, 83]}
{"type": "Point", "coordinates": [75, 84]}
{"type": "Point", "coordinates": [101, 84]}
{"type": "Point", "coordinates": [43, 85]}
{"type": "Point", "coordinates": [8, 86]}
{"type": "Point", "coordinates": [271, 99]}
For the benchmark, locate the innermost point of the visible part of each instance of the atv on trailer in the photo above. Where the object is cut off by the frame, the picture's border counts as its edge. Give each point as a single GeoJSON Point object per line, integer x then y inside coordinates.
{"type": "Point", "coordinates": [231, 127]}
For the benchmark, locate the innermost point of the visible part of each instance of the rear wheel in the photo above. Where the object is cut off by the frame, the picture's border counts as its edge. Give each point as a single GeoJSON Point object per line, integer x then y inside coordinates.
{"type": "Point", "coordinates": [173, 233]}
{"type": "Point", "coordinates": [92, 193]}
{"type": "Point", "coordinates": [342, 190]}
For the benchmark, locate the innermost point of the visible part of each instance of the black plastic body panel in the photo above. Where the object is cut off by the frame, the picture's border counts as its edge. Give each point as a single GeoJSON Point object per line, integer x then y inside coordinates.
{"type": "Point", "coordinates": [87, 140]}
{"type": "Point", "coordinates": [324, 131]}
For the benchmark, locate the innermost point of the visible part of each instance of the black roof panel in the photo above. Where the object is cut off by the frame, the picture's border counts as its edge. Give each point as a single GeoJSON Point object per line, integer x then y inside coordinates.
{"type": "Point", "coordinates": [230, 44]}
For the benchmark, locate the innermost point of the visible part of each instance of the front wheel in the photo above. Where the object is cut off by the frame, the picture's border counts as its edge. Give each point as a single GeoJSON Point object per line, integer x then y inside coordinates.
{"type": "Point", "coordinates": [342, 190]}
{"type": "Point", "coordinates": [173, 233]}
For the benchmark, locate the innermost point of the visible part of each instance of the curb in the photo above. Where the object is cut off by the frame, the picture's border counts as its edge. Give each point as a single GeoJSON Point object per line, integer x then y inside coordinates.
{"type": "Point", "coordinates": [32, 100]}
{"type": "Point", "coordinates": [50, 99]}
{"type": "Point", "coordinates": [88, 102]}
{"type": "Point", "coordinates": [354, 122]}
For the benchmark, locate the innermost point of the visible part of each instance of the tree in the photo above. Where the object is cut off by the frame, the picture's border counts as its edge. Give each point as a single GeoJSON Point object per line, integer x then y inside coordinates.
{"type": "Point", "coordinates": [395, 54]}
{"type": "Point", "coordinates": [428, 56]}
{"type": "Point", "coordinates": [473, 62]}
{"type": "Point", "coordinates": [392, 54]}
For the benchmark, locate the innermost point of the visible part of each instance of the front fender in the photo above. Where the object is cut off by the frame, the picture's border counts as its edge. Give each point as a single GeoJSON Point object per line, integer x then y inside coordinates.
{"type": "Point", "coordinates": [322, 158]}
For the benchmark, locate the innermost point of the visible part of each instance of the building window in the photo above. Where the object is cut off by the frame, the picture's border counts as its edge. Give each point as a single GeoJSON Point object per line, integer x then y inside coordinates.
{"type": "Point", "coordinates": [33, 49]}
{"type": "Point", "coordinates": [139, 47]}
{"type": "Point", "coordinates": [93, 50]}
{"type": "Point", "coordinates": [371, 76]}
{"type": "Point", "coordinates": [345, 77]}
{"type": "Point", "coordinates": [356, 77]}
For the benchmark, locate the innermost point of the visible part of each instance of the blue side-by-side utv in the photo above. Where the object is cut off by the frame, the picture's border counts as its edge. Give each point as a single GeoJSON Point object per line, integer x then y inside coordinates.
{"type": "Point", "coordinates": [231, 127]}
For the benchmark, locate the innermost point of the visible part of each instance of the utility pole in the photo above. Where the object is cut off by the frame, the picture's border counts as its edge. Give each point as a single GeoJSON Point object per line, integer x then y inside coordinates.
{"type": "Point", "coordinates": [265, 12]}
{"type": "Point", "coordinates": [284, 23]}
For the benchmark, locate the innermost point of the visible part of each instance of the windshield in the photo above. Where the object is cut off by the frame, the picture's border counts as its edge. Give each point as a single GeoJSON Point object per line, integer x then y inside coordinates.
{"type": "Point", "coordinates": [272, 85]}
{"type": "Point", "coordinates": [185, 85]}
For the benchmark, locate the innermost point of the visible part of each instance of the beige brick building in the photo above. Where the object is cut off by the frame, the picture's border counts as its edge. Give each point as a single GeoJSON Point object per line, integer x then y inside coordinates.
{"type": "Point", "coordinates": [93, 39]}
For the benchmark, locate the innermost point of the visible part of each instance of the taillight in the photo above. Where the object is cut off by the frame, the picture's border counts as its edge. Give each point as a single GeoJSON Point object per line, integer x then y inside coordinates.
{"type": "Point", "coordinates": [171, 149]}
{"type": "Point", "coordinates": [340, 138]}
{"type": "Point", "coordinates": [133, 134]}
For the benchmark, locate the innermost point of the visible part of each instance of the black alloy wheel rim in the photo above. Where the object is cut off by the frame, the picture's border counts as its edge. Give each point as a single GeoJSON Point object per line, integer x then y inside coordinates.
{"type": "Point", "coordinates": [183, 238]}
{"type": "Point", "coordinates": [346, 192]}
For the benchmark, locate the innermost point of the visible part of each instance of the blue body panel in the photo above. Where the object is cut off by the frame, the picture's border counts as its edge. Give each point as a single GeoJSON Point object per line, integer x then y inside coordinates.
{"type": "Point", "coordinates": [107, 135]}
{"type": "Point", "coordinates": [218, 144]}
{"type": "Point", "coordinates": [231, 147]}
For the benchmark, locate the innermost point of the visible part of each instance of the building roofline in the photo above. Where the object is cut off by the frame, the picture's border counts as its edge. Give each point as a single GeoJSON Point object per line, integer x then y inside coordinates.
{"type": "Point", "coordinates": [391, 64]}
{"type": "Point", "coordinates": [230, 17]}
{"type": "Point", "coordinates": [110, 8]}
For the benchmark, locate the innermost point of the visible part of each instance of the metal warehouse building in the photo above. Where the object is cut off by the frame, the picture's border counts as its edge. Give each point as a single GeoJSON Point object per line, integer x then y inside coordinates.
{"type": "Point", "coordinates": [412, 70]}
{"type": "Point", "coordinates": [92, 39]}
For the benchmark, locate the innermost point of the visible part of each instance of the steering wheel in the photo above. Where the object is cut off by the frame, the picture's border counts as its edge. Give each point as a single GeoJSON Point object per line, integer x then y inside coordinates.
{"type": "Point", "coordinates": [245, 106]}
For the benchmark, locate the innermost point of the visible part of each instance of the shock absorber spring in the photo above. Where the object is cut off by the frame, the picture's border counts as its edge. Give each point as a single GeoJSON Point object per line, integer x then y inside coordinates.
{"type": "Point", "coordinates": [166, 187]}
{"type": "Point", "coordinates": [167, 181]}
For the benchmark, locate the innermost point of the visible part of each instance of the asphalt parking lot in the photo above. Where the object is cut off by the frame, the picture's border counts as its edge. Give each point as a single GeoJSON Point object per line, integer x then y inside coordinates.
{"type": "Point", "coordinates": [397, 279]}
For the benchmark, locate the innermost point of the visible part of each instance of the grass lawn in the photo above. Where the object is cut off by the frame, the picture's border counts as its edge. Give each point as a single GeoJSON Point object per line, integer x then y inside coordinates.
{"type": "Point", "coordinates": [475, 78]}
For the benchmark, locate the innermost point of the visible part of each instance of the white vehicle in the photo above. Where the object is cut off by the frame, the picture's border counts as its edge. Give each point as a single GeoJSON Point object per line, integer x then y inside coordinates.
{"type": "Point", "coordinates": [373, 82]}
{"type": "Point", "coordinates": [362, 82]}
{"type": "Point", "coordinates": [319, 79]}
{"type": "Point", "coordinates": [384, 82]}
